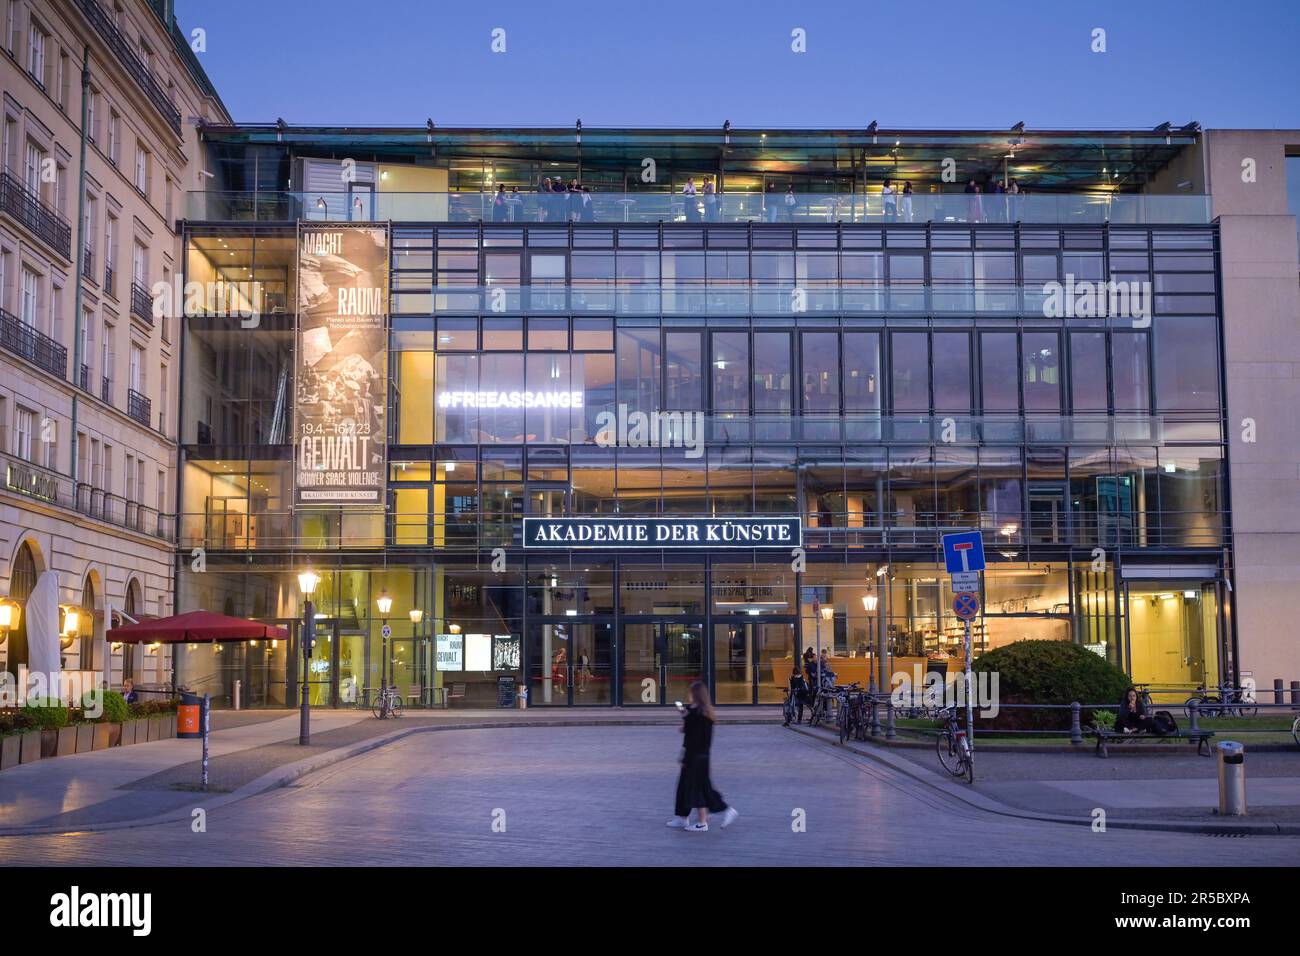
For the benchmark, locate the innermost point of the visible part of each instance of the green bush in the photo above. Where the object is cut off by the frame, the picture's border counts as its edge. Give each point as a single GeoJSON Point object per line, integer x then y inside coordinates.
{"type": "Point", "coordinates": [46, 714]}
{"type": "Point", "coordinates": [153, 708]}
{"type": "Point", "coordinates": [116, 709]}
{"type": "Point", "coordinates": [1050, 672]}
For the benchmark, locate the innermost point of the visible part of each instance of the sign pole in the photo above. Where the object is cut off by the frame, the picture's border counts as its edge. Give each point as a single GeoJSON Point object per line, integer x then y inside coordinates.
{"type": "Point", "coordinates": [970, 709]}
{"type": "Point", "coordinates": [207, 707]}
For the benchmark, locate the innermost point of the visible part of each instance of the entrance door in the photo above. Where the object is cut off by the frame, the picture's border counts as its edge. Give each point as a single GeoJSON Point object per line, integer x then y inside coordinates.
{"type": "Point", "coordinates": [659, 660]}
{"type": "Point", "coordinates": [570, 662]}
{"type": "Point", "coordinates": [1173, 634]}
{"type": "Point", "coordinates": [1048, 514]}
{"type": "Point", "coordinates": [752, 660]}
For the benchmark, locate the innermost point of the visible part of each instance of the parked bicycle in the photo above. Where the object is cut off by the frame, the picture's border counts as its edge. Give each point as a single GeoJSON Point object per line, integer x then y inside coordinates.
{"type": "Point", "coordinates": [854, 713]}
{"type": "Point", "coordinates": [1144, 695]}
{"type": "Point", "coordinates": [387, 703]}
{"type": "Point", "coordinates": [954, 747]}
{"type": "Point", "coordinates": [1228, 702]}
{"type": "Point", "coordinates": [1295, 731]}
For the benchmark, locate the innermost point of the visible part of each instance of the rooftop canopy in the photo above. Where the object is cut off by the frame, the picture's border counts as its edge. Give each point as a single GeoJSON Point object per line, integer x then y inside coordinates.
{"type": "Point", "coordinates": [1052, 160]}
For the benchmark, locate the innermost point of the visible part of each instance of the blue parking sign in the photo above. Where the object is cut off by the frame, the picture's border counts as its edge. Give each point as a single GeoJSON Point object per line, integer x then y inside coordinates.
{"type": "Point", "coordinates": [963, 551]}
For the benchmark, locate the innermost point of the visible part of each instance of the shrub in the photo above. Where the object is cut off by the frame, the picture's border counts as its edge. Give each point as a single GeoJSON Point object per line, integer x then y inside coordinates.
{"type": "Point", "coordinates": [153, 708]}
{"type": "Point", "coordinates": [46, 714]}
{"type": "Point", "coordinates": [116, 709]}
{"type": "Point", "coordinates": [1050, 672]}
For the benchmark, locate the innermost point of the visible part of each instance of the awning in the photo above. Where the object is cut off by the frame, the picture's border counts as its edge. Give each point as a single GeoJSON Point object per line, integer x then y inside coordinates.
{"type": "Point", "coordinates": [196, 627]}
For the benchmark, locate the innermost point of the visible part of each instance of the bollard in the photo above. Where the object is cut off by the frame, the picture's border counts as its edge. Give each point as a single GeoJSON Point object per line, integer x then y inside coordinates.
{"type": "Point", "coordinates": [1076, 732]}
{"type": "Point", "coordinates": [207, 706]}
{"type": "Point", "coordinates": [1295, 692]}
{"type": "Point", "coordinates": [237, 693]}
{"type": "Point", "coordinates": [875, 718]}
{"type": "Point", "coordinates": [890, 733]}
{"type": "Point", "coordinates": [1232, 778]}
{"type": "Point", "coordinates": [1279, 695]}
{"type": "Point", "coordinates": [1193, 710]}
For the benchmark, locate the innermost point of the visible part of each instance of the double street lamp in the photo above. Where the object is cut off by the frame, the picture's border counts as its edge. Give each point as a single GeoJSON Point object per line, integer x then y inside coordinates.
{"type": "Point", "coordinates": [307, 582]}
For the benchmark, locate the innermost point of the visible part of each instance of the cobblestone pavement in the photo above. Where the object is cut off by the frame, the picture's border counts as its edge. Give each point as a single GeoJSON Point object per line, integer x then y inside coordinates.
{"type": "Point", "coordinates": [600, 796]}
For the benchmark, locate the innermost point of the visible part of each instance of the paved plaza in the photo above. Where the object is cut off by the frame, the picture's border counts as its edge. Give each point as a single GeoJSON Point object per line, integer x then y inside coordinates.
{"type": "Point", "coordinates": [600, 795]}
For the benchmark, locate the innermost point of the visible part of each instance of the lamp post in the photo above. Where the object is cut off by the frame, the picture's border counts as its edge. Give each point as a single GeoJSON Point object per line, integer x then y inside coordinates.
{"type": "Point", "coordinates": [882, 628]}
{"type": "Point", "coordinates": [825, 613]}
{"type": "Point", "coordinates": [307, 581]}
{"type": "Point", "coordinates": [385, 604]}
{"type": "Point", "coordinates": [421, 654]}
{"type": "Point", "coordinates": [869, 605]}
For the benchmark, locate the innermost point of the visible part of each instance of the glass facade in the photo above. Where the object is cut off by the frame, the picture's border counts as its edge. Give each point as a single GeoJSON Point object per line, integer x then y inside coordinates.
{"type": "Point", "coordinates": [884, 383]}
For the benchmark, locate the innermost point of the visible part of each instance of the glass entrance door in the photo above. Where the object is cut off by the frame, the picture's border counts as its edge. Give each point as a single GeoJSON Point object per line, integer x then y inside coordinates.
{"type": "Point", "coordinates": [752, 660]}
{"type": "Point", "coordinates": [570, 662]}
{"type": "Point", "coordinates": [659, 660]}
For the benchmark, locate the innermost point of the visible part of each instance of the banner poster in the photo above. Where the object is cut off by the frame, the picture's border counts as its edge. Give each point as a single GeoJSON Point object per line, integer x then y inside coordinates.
{"type": "Point", "coordinates": [341, 350]}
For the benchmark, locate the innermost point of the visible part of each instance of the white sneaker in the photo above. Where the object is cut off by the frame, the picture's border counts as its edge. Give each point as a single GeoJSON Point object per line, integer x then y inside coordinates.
{"type": "Point", "coordinates": [679, 823]}
{"type": "Point", "coordinates": [698, 827]}
{"type": "Point", "coordinates": [729, 816]}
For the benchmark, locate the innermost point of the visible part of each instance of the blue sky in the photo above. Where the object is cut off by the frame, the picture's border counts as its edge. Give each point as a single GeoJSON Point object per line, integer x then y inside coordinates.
{"type": "Point", "coordinates": [670, 63]}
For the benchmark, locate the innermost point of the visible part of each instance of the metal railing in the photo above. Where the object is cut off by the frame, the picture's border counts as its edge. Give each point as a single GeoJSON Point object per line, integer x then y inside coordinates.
{"type": "Point", "coordinates": [36, 347]}
{"type": "Point", "coordinates": [141, 303]}
{"type": "Point", "coordinates": [30, 480]}
{"type": "Point", "coordinates": [108, 280]}
{"type": "Point", "coordinates": [139, 408]}
{"type": "Point", "coordinates": [1013, 535]}
{"type": "Point", "coordinates": [88, 264]}
{"type": "Point", "coordinates": [656, 207]}
{"type": "Point", "coordinates": [106, 390]}
{"type": "Point", "coordinates": [22, 204]}
{"type": "Point", "coordinates": [83, 381]}
{"type": "Point", "coordinates": [121, 47]}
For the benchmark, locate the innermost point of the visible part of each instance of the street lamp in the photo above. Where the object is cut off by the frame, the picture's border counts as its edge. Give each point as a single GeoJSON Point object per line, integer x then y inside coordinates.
{"type": "Point", "coordinates": [385, 604]}
{"type": "Point", "coordinates": [307, 582]}
{"type": "Point", "coordinates": [869, 601]}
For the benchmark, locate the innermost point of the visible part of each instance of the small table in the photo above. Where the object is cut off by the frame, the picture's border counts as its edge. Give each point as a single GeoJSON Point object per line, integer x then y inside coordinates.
{"type": "Point", "coordinates": [627, 205]}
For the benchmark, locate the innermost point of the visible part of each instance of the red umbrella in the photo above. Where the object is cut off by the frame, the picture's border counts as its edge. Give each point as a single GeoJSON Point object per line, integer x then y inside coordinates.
{"type": "Point", "coordinates": [196, 627]}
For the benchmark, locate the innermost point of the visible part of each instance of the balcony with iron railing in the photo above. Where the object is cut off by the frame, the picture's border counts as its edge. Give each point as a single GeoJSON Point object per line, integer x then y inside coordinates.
{"type": "Point", "coordinates": [84, 380]}
{"type": "Point", "coordinates": [88, 263]}
{"type": "Point", "coordinates": [102, 21]}
{"type": "Point", "coordinates": [109, 288]}
{"type": "Point", "coordinates": [106, 390]}
{"type": "Point", "coordinates": [139, 408]}
{"type": "Point", "coordinates": [141, 303]}
{"type": "Point", "coordinates": [665, 207]}
{"type": "Point", "coordinates": [36, 347]}
{"type": "Point", "coordinates": [23, 205]}
{"type": "Point", "coordinates": [32, 481]}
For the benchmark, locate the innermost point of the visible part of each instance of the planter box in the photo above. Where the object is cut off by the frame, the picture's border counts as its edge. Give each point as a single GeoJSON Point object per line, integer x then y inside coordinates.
{"type": "Point", "coordinates": [155, 728]}
{"type": "Point", "coordinates": [85, 738]}
{"type": "Point", "coordinates": [169, 727]}
{"type": "Point", "coordinates": [114, 735]}
{"type": "Point", "coordinates": [101, 736]}
{"type": "Point", "coordinates": [128, 732]}
{"type": "Point", "coordinates": [33, 745]}
{"type": "Point", "coordinates": [66, 742]}
{"type": "Point", "coordinates": [11, 749]}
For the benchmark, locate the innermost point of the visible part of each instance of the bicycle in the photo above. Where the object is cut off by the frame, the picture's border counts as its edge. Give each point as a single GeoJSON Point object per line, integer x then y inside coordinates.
{"type": "Point", "coordinates": [789, 707]}
{"type": "Point", "coordinates": [1144, 695]}
{"type": "Point", "coordinates": [1295, 731]}
{"type": "Point", "coordinates": [1228, 702]}
{"type": "Point", "coordinates": [387, 703]}
{"type": "Point", "coordinates": [852, 713]}
{"type": "Point", "coordinates": [954, 748]}
{"type": "Point", "coordinates": [821, 706]}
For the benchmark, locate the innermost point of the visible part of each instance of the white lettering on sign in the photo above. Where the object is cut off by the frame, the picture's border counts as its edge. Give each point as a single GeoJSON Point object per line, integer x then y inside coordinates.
{"type": "Point", "coordinates": [492, 399]}
{"type": "Point", "coordinates": [322, 243]}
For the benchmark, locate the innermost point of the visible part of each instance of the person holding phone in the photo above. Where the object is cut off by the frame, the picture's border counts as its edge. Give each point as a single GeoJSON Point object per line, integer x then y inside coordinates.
{"type": "Point", "coordinates": [694, 788]}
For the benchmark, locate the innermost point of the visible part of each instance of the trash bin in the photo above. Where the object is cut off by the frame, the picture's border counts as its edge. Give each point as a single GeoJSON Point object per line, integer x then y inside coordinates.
{"type": "Point", "coordinates": [1232, 778]}
{"type": "Point", "coordinates": [189, 716]}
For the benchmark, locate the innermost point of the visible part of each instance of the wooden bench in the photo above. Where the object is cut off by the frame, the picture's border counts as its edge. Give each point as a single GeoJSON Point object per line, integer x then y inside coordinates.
{"type": "Point", "coordinates": [1106, 737]}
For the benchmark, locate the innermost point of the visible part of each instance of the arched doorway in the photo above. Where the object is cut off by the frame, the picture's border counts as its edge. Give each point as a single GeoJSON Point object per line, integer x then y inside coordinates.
{"type": "Point", "coordinates": [131, 606]}
{"type": "Point", "coordinates": [89, 604]}
{"type": "Point", "coordinates": [22, 579]}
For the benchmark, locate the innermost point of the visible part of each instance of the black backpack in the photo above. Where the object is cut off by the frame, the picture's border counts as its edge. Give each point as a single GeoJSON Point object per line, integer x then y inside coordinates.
{"type": "Point", "coordinates": [1164, 724]}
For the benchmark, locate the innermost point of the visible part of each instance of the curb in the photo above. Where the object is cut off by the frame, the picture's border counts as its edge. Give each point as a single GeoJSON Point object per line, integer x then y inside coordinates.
{"type": "Point", "coordinates": [287, 773]}
{"type": "Point", "coordinates": [981, 802]}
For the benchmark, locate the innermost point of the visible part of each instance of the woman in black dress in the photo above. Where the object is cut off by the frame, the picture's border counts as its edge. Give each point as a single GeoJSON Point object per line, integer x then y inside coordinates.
{"type": "Point", "coordinates": [694, 789]}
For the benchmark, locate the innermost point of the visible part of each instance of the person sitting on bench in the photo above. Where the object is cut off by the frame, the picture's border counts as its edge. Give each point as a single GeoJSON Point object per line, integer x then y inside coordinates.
{"type": "Point", "coordinates": [1133, 717]}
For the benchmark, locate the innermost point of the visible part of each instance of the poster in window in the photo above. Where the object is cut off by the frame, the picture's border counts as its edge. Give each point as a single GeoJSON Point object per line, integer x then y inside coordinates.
{"type": "Point", "coordinates": [341, 352]}
{"type": "Point", "coordinates": [506, 652]}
